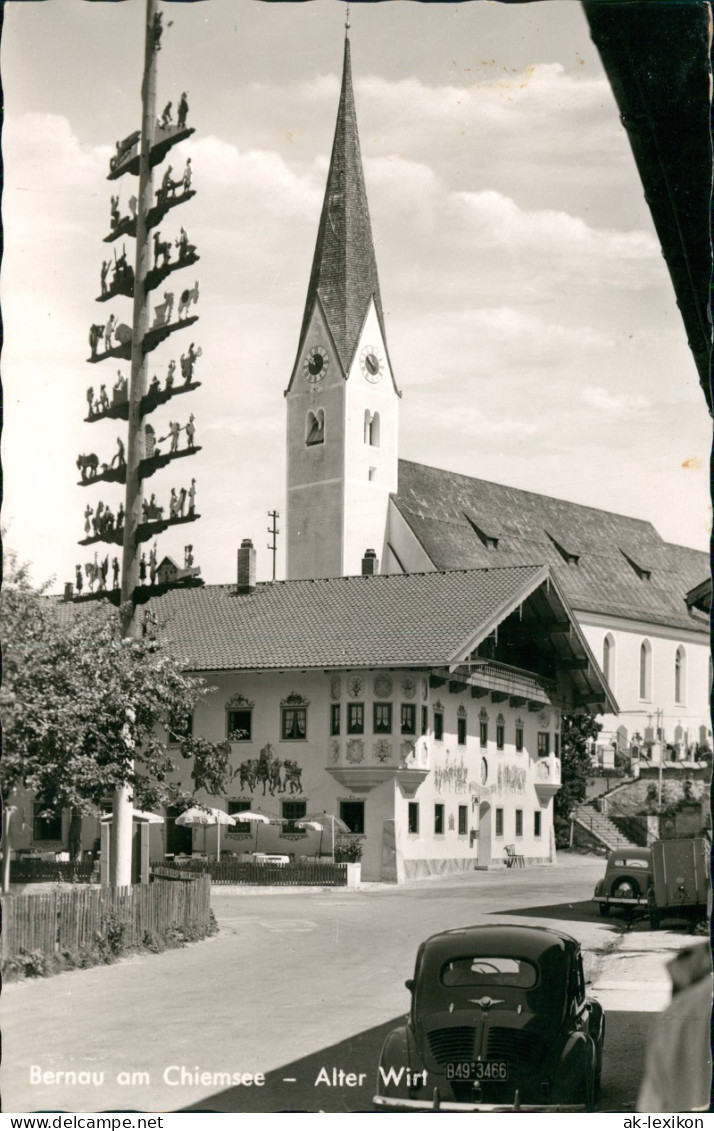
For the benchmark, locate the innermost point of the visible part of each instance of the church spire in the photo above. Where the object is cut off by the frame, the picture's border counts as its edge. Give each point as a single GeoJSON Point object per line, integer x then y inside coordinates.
{"type": "Point", "coordinates": [344, 269]}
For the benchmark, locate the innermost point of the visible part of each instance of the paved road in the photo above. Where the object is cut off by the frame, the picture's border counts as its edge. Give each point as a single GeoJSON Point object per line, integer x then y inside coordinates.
{"type": "Point", "coordinates": [298, 982]}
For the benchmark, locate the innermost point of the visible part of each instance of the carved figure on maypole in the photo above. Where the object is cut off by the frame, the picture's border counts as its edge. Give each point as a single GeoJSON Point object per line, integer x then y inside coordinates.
{"type": "Point", "coordinates": [119, 457]}
{"type": "Point", "coordinates": [95, 336]}
{"type": "Point", "coordinates": [187, 297]}
{"type": "Point", "coordinates": [108, 333]}
{"type": "Point", "coordinates": [187, 175]}
{"type": "Point", "coordinates": [191, 432]}
{"type": "Point", "coordinates": [188, 361]}
{"type": "Point", "coordinates": [115, 573]}
{"type": "Point", "coordinates": [186, 250]}
{"type": "Point", "coordinates": [106, 264]}
{"type": "Point", "coordinates": [153, 564]}
{"type": "Point", "coordinates": [182, 111]}
{"type": "Point", "coordinates": [162, 250]}
{"type": "Point", "coordinates": [166, 117]}
{"type": "Point", "coordinates": [162, 312]}
{"type": "Point", "coordinates": [78, 579]}
{"type": "Point", "coordinates": [88, 466]}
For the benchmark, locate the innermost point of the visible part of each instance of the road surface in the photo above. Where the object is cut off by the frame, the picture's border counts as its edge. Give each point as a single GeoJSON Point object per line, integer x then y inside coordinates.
{"type": "Point", "coordinates": [287, 1007]}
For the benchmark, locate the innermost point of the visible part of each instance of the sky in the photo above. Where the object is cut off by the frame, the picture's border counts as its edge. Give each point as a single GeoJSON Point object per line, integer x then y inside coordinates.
{"type": "Point", "coordinates": [531, 321]}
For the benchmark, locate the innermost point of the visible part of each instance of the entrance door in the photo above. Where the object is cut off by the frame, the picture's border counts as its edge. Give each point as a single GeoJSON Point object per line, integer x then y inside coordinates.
{"type": "Point", "coordinates": [179, 838]}
{"type": "Point", "coordinates": [484, 834]}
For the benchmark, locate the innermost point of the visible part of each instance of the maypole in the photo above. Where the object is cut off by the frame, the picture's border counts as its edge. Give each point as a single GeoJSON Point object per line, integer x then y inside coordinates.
{"type": "Point", "coordinates": [138, 520]}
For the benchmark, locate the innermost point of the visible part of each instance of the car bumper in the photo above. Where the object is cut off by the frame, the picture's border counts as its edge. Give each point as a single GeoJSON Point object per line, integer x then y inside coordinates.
{"type": "Point", "coordinates": [385, 1103]}
{"type": "Point", "coordinates": [639, 901]}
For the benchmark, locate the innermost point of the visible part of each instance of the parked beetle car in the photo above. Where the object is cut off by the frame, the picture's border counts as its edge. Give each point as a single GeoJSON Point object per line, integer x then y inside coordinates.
{"type": "Point", "coordinates": [628, 877]}
{"type": "Point", "coordinates": [499, 1020]}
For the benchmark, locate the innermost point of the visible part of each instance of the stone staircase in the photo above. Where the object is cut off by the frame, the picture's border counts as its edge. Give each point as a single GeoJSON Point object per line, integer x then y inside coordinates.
{"type": "Point", "coordinates": [601, 827]}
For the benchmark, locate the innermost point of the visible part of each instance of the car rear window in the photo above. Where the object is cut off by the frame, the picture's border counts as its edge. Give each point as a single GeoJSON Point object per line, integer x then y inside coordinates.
{"type": "Point", "coordinates": [489, 971]}
{"type": "Point", "coordinates": [629, 862]}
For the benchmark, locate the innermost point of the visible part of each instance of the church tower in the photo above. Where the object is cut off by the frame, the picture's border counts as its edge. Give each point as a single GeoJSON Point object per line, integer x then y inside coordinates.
{"type": "Point", "coordinates": [342, 400]}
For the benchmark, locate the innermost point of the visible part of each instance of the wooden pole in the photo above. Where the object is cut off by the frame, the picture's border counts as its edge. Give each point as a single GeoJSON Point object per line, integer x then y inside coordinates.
{"type": "Point", "coordinates": [121, 832]}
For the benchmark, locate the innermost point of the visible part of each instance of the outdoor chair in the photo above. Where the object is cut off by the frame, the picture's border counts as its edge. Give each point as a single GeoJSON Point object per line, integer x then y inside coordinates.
{"type": "Point", "coordinates": [514, 859]}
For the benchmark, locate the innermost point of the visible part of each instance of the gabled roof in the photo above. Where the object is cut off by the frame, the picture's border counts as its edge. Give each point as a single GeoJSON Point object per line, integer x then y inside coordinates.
{"type": "Point", "coordinates": [344, 268]}
{"type": "Point", "coordinates": [400, 619]}
{"type": "Point", "coordinates": [442, 509]}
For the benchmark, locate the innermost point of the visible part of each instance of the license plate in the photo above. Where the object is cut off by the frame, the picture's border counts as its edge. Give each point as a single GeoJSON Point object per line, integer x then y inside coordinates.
{"type": "Point", "coordinates": [477, 1070]}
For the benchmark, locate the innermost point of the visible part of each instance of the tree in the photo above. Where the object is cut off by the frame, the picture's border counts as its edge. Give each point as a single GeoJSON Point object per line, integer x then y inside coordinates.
{"type": "Point", "coordinates": [576, 731]}
{"type": "Point", "coordinates": [85, 711]}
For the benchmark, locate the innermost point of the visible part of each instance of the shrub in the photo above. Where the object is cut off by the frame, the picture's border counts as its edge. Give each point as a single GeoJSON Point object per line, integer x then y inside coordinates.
{"type": "Point", "coordinates": [348, 850]}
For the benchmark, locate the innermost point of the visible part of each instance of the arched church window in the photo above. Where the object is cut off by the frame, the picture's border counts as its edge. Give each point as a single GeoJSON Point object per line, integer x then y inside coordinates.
{"type": "Point", "coordinates": [315, 428]}
{"type": "Point", "coordinates": [680, 675]}
{"type": "Point", "coordinates": [608, 659]}
{"type": "Point", "coordinates": [646, 670]}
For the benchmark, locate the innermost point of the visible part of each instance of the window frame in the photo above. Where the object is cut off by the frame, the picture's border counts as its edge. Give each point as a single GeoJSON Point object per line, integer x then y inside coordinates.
{"type": "Point", "coordinates": [483, 733]}
{"type": "Point", "coordinates": [519, 822]}
{"type": "Point", "coordinates": [461, 730]}
{"type": "Point", "coordinates": [410, 709]}
{"type": "Point", "coordinates": [537, 823]}
{"type": "Point", "coordinates": [424, 719]}
{"type": "Point", "coordinates": [290, 827]}
{"type": "Point", "coordinates": [297, 711]}
{"type": "Point", "coordinates": [500, 736]}
{"type": "Point", "coordinates": [382, 728]}
{"type": "Point", "coordinates": [413, 818]}
{"type": "Point", "coordinates": [354, 807]}
{"type": "Point", "coordinates": [543, 741]}
{"type": "Point", "coordinates": [498, 827]}
{"type": "Point", "coordinates": [645, 672]}
{"type": "Point", "coordinates": [335, 719]}
{"type": "Point", "coordinates": [237, 806]}
{"type": "Point", "coordinates": [439, 818]}
{"type": "Point", "coordinates": [438, 726]}
{"type": "Point", "coordinates": [233, 730]}
{"type": "Point", "coordinates": [43, 836]}
{"type": "Point", "coordinates": [355, 718]}
{"type": "Point", "coordinates": [463, 820]}
{"type": "Point", "coordinates": [519, 739]}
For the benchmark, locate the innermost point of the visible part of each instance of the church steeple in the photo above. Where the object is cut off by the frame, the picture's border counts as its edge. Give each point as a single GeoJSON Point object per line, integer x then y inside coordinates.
{"type": "Point", "coordinates": [344, 269]}
{"type": "Point", "coordinates": [342, 401]}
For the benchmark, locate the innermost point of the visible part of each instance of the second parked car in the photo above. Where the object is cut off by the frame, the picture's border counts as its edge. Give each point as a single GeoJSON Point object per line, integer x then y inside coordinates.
{"type": "Point", "coordinates": [627, 879]}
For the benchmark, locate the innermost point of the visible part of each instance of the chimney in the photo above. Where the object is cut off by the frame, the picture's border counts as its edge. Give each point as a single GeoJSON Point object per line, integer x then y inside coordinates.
{"type": "Point", "coordinates": [68, 591]}
{"type": "Point", "coordinates": [370, 564]}
{"type": "Point", "coordinates": [246, 567]}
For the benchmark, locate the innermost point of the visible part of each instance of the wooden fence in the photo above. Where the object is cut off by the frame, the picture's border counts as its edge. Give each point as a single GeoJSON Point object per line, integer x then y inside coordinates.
{"type": "Point", "coordinates": [28, 870]}
{"type": "Point", "coordinates": [69, 919]}
{"type": "Point", "coordinates": [309, 874]}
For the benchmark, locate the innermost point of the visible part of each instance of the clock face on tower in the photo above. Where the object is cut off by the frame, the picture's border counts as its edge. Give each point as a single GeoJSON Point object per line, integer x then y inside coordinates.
{"type": "Point", "coordinates": [371, 364]}
{"type": "Point", "coordinates": [315, 364]}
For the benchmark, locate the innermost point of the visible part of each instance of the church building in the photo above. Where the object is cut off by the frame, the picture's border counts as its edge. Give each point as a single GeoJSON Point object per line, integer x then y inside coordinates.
{"type": "Point", "coordinates": [348, 493]}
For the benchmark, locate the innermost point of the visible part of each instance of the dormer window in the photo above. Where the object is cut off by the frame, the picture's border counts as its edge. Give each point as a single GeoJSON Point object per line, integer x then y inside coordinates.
{"type": "Point", "coordinates": [371, 428]}
{"type": "Point", "coordinates": [485, 531]}
{"type": "Point", "coordinates": [643, 571]}
{"type": "Point", "coordinates": [567, 551]}
{"type": "Point", "coordinates": [315, 430]}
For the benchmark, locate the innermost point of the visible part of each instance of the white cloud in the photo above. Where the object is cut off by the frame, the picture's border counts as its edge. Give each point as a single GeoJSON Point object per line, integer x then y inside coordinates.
{"type": "Point", "coordinates": [598, 398]}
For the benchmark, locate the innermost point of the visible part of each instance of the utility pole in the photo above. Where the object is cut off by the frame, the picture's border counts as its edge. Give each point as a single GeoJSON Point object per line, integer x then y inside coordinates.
{"type": "Point", "coordinates": [274, 531]}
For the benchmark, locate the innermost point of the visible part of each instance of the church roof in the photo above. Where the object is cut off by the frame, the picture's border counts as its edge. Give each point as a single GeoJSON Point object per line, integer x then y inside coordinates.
{"type": "Point", "coordinates": [417, 619]}
{"type": "Point", "coordinates": [606, 563]}
{"type": "Point", "coordinates": [344, 269]}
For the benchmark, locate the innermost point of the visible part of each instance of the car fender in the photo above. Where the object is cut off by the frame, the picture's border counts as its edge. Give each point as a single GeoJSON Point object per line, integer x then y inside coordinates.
{"type": "Point", "coordinates": [596, 1022]}
{"type": "Point", "coordinates": [575, 1074]}
{"type": "Point", "coordinates": [397, 1062]}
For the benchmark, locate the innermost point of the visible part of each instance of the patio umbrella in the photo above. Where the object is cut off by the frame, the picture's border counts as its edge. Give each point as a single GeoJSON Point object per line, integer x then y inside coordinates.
{"type": "Point", "coordinates": [203, 815]}
{"type": "Point", "coordinates": [323, 821]}
{"type": "Point", "coordinates": [258, 819]}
